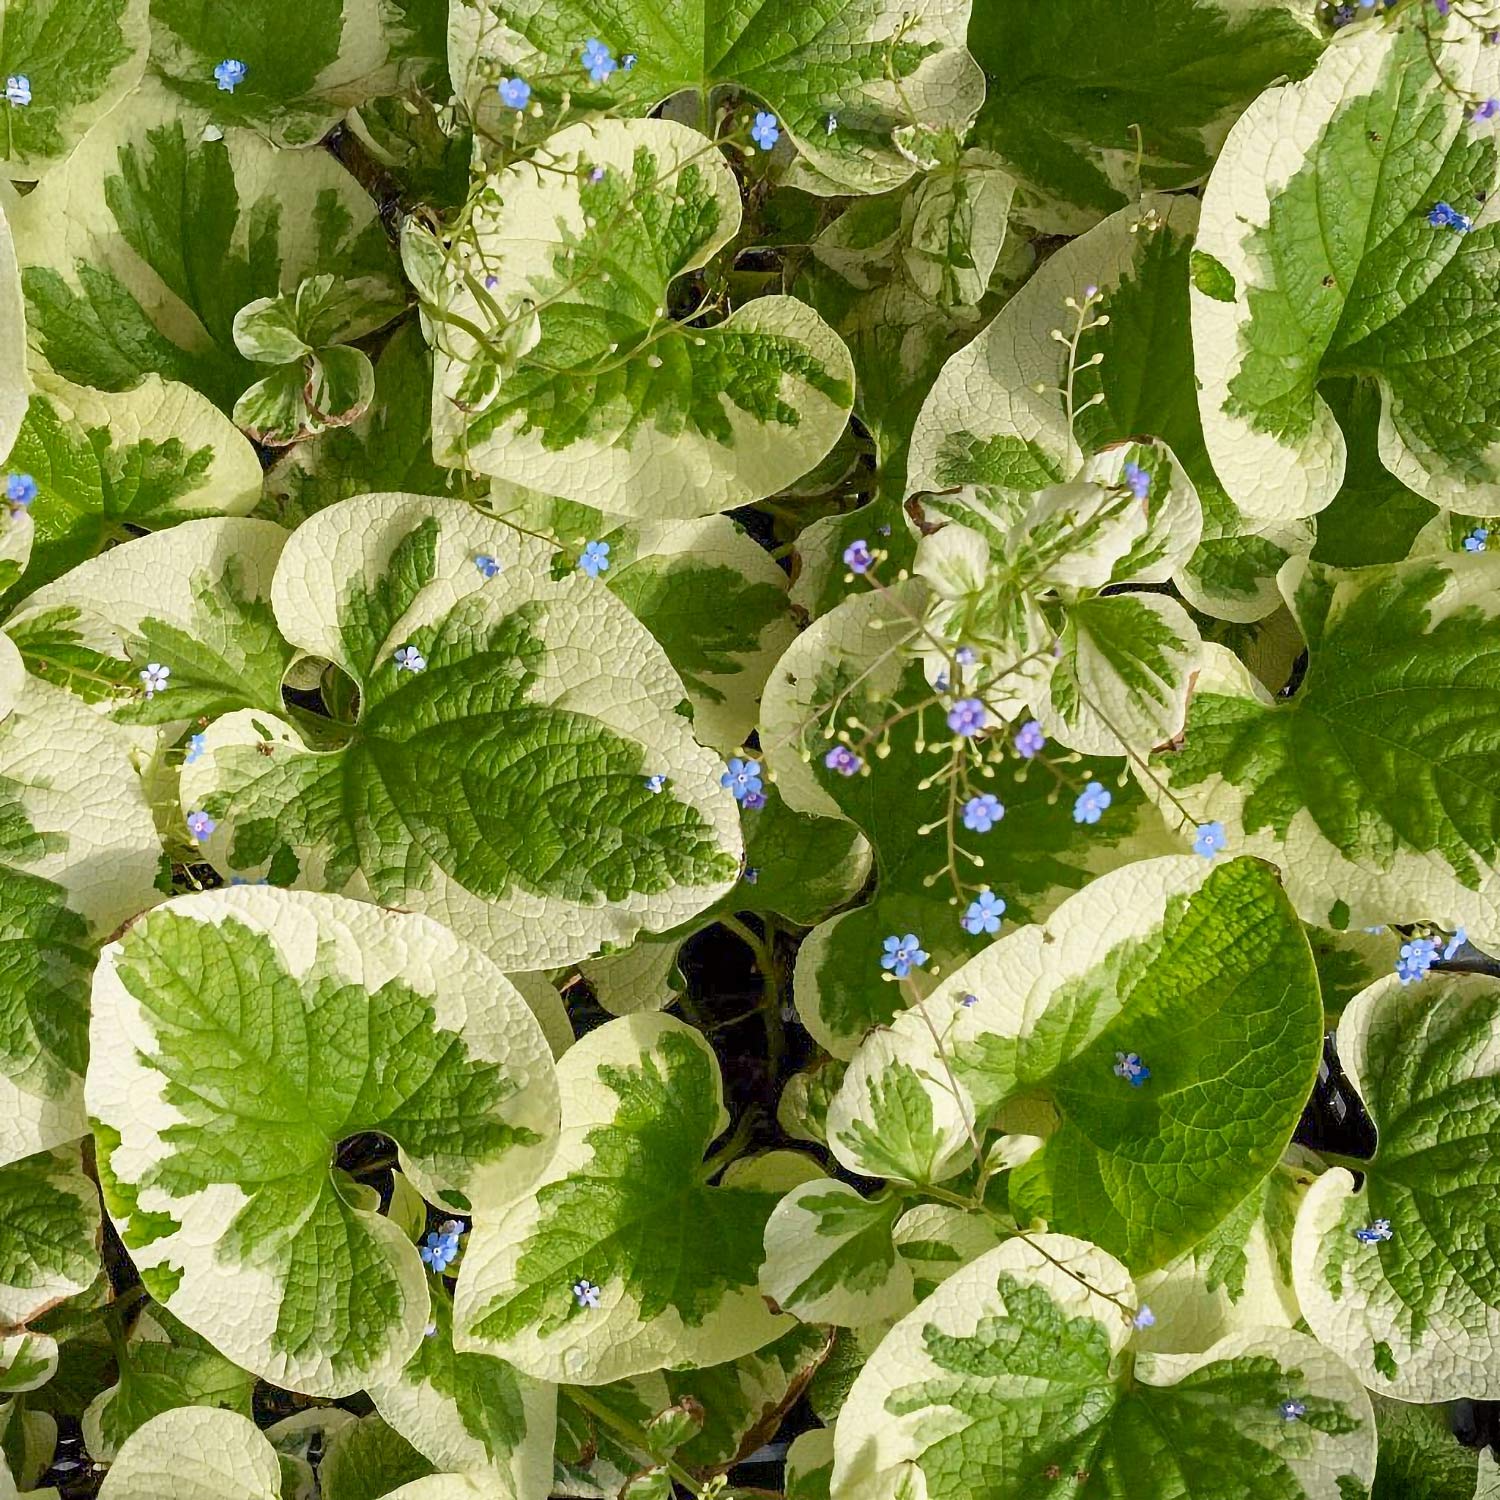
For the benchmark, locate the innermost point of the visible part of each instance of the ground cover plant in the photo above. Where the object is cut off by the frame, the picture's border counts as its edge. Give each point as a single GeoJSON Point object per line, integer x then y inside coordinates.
{"type": "Point", "coordinates": [750, 749]}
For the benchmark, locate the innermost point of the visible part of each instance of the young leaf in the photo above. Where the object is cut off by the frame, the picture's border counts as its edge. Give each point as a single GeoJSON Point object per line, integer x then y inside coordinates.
{"type": "Point", "coordinates": [281, 1023]}
{"type": "Point", "coordinates": [809, 1465]}
{"type": "Point", "coordinates": [49, 1234]}
{"type": "Point", "coordinates": [1020, 1366]}
{"type": "Point", "coordinates": [625, 1257]}
{"type": "Point", "coordinates": [1418, 1313]}
{"type": "Point", "coordinates": [611, 399]}
{"type": "Point", "coordinates": [27, 1362]}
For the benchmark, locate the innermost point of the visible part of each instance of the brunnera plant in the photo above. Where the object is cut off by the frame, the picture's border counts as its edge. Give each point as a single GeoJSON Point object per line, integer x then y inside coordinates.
{"type": "Point", "coordinates": [749, 749]}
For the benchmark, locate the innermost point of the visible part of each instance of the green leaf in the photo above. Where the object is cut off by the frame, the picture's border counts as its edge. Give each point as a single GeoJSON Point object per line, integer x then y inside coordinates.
{"type": "Point", "coordinates": [49, 1234]}
{"type": "Point", "coordinates": [1420, 1458]}
{"type": "Point", "coordinates": [1092, 102]}
{"type": "Point", "coordinates": [331, 389]}
{"type": "Point", "coordinates": [627, 1206]}
{"type": "Point", "coordinates": [279, 1024]}
{"type": "Point", "coordinates": [1416, 1315]}
{"type": "Point", "coordinates": [27, 1361]}
{"type": "Point", "coordinates": [1372, 787]}
{"type": "Point", "coordinates": [809, 1465]}
{"type": "Point", "coordinates": [195, 1453]}
{"type": "Point", "coordinates": [1023, 1364]}
{"type": "Point", "coordinates": [574, 376]}
{"type": "Point", "coordinates": [1373, 140]}
{"type": "Point", "coordinates": [872, 65]}
{"type": "Point", "coordinates": [503, 787]}
{"type": "Point", "coordinates": [363, 1459]}
{"type": "Point", "coordinates": [136, 255]}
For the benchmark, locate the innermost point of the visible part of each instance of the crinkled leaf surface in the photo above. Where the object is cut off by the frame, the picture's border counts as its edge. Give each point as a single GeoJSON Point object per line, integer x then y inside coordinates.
{"type": "Point", "coordinates": [1019, 1365]}
{"type": "Point", "coordinates": [271, 1025]}
{"type": "Point", "coordinates": [1420, 1457]}
{"type": "Point", "coordinates": [362, 1461]}
{"type": "Point", "coordinates": [503, 786]}
{"type": "Point", "coordinates": [195, 1453]}
{"type": "Point", "coordinates": [1374, 786]}
{"type": "Point", "coordinates": [1417, 1315]}
{"type": "Point", "coordinates": [1372, 142]}
{"type": "Point", "coordinates": [49, 1233]}
{"type": "Point", "coordinates": [611, 400]}
{"type": "Point", "coordinates": [626, 1205]}
{"type": "Point", "coordinates": [27, 1362]}
{"type": "Point", "coordinates": [873, 65]}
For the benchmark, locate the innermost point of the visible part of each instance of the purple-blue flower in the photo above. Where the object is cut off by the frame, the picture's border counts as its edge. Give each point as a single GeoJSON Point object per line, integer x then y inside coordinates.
{"type": "Point", "coordinates": [585, 1293]}
{"type": "Point", "coordinates": [1292, 1410]}
{"type": "Point", "coordinates": [595, 559]}
{"type": "Point", "coordinates": [515, 93]}
{"type": "Point", "coordinates": [765, 132]}
{"type": "Point", "coordinates": [1030, 739]}
{"type": "Point", "coordinates": [753, 801]}
{"type": "Point", "coordinates": [1374, 1233]}
{"type": "Point", "coordinates": [657, 783]}
{"type": "Point", "coordinates": [1209, 840]}
{"type": "Point", "coordinates": [965, 656]}
{"type": "Point", "coordinates": [487, 565]}
{"type": "Point", "coordinates": [843, 760]}
{"type": "Point", "coordinates": [1476, 539]}
{"type": "Point", "coordinates": [983, 914]}
{"type": "Point", "coordinates": [441, 1247]}
{"type": "Point", "coordinates": [968, 1001]}
{"type": "Point", "coordinates": [229, 74]}
{"type": "Point", "coordinates": [1129, 1066]}
{"type": "Point", "coordinates": [195, 748]}
{"type": "Point", "coordinates": [18, 90]}
{"type": "Point", "coordinates": [409, 659]}
{"type": "Point", "coordinates": [751, 875]}
{"type": "Point", "coordinates": [742, 778]}
{"type": "Point", "coordinates": [858, 558]}
{"type": "Point", "coordinates": [1450, 949]}
{"type": "Point", "coordinates": [981, 813]}
{"type": "Point", "coordinates": [902, 955]}
{"type": "Point", "coordinates": [1091, 802]}
{"type": "Point", "coordinates": [20, 489]}
{"type": "Point", "coordinates": [1487, 109]}
{"type": "Point", "coordinates": [1445, 216]}
{"type": "Point", "coordinates": [967, 717]}
{"type": "Point", "coordinates": [598, 61]}
{"type": "Point", "coordinates": [1137, 481]}
{"type": "Point", "coordinates": [1144, 1318]}
{"type": "Point", "coordinates": [200, 825]}
{"type": "Point", "coordinates": [1415, 959]}
{"type": "Point", "coordinates": [154, 678]}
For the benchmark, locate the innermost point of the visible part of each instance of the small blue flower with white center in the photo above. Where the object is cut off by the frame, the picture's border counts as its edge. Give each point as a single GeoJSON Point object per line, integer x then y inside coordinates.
{"type": "Point", "coordinates": [1374, 1233]}
{"type": "Point", "coordinates": [440, 1249]}
{"type": "Point", "coordinates": [1144, 1318]}
{"type": "Point", "coordinates": [1129, 1066]}
{"type": "Point", "coordinates": [585, 1293]}
{"type": "Point", "coordinates": [154, 678]}
{"type": "Point", "coordinates": [657, 783]}
{"type": "Point", "coordinates": [742, 778]}
{"type": "Point", "coordinates": [902, 955]}
{"type": "Point", "coordinates": [967, 717]}
{"type": "Point", "coordinates": [981, 813]}
{"type": "Point", "coordinates": [1415, 959]}
{"type": "Point", "coordinates": [1030, 740]}
{"type": "Point", "coordinates": [1091, 802]}
{"type": "Point", "coordinates": [628, 60]}
{"type": "Point", "coordinates": [1137, 481]}
{"type": "Point", "coordinates": [20, 489]}
{"type": "Point", "coordinates": [965, 656]}
{"type": "Point", "coordinates": [487, 565]}
{"type": "Point", "coordinates": [200, 825]}
{"type": "Point", "coordinates": [229, 74]}
{"type": "Point", "coordinates": [858, 558]}
{"type": "Point", "coordinates": [983, 914]}
{"type": "Point", "coordinates": [1450, 949]}
{"type": "Point", "coordinates": [1476, 539]}
{"type": "Point", "coordinates": [1445, 216]}
{"type": "Point", "coordinates": [195, 748]}
{"type": "Point", "coordinates": [843, 760]}
{"type": "Point", "coordinates": [515, 93]}
{"type": "Point", "coordinates": [409, 659]}
{"type": "Point", "coordinates": [1487, 109]}
{"type": "Point", "coordinates": [1209, 840]}
{"type": "Point", "coordinates": [765, 132]}
{"type": "Point", "coordinates": [598, 61]}
{"type": "Point", "coordinates": [18, 90]}
{"type": "Point", "coordinates": [595, 559]}
{"type": "Point", "coordinates": [1292, 1410]}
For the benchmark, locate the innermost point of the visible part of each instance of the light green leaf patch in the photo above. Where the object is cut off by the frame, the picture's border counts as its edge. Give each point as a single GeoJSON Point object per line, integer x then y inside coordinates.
{"type": "Point", "coordinates": [1373, 786]}
{"type": "Point", "coordinates": [871, 66]}
{"type": "Point", "coordinates": [1373, 140]}
{"type": "Point", "coordinates": [195, 1453]}
{"type": "Point", "coordinates": [1022, 1361]}
{"type": "Point", "coordinates": [81, 57]}
{"type": "Point", "coordinates": [502, 784]}
{"type": "Point", "coordinates": [365, 1459]}
{"type": "Point", "coordinates": [78, 856]}
{"type": "Point", "coordinates": [627, 1206]}
{"type": "Point", "coordinates": [1091, 102]}
{"type": "Point", "coordinates": [195, 600]}
{"type": "Point", "coordinates": [108, 465]}
{"type": "Point", "coordinates": [1421, 1458]}
{"type": "Point", "coordinates": [582, 383]}
{"type": "Point", "coordinates": [1416, 1315]}
{"type": "Point", "coordinates": [27, 1362]}
{"type": "Point", "coordinates": [49, 1234]}
{"type": "Point", "coordinates": [136, 256]}
{"type": "Point", "coordinates": [809, 1465]}
{"type": "Point", "coordinates": [269, 1025]}
{"type": "Point", "coordinates": [15, 385]}
{"type": "Point", "coordinates": [1200, 970]}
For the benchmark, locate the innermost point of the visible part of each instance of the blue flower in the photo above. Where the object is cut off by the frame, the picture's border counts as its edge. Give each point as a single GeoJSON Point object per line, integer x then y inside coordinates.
{"type": "Point", "coordinates": [765, 132]}
{"type": "Point", "coordinates": [981, 813]}
{"type": "Point", "coordinates": [200, 825]}
{"type": "Point", "coordinates": [1129, 1066]}
{"type": "Point", "coordinates": [830, 124]}
{"type": "Point", "coordinates": [1137, 481]}
{"type": "Point", "coordinates": [487, 565]}
{"type": "Point", "coordinates": [657, 783]}
{"type": "Point", "coordinates": [597, 174]}
{"type": "Point", "coordinates": [1144, 1318]}
{"type": "Point", "coordinates": [902, 955]}
{"type": "Point", "coordinates": [585, 1293]}
{"type": "Point", "coordinates": [1445, 216]}
{"type": "Point", "coordinates": [1030, 739]}
{"type": "Point", "coordinates": [965, 656]}
{"type": "Point", "coordinates": [1292, 1410]}
{"type": "Point", "coordinates": [1476, 539]}
{"type": "Point", "coordinates": [1415, 959]}
{"type": "Point", "coordinates": [441, 1247]}
{"type": "Point", "coordinates": [751, 875]}
{"type": "Point", "coordinates": [598, 61]}
{"type": "Point", "coordinates": [515, 93]}
{"type": "Point", "coordinates": [1209, 840]}
{"type": "Point", "coordinates": [628, 60]}
{"type": "Point", "coordinates": [983, 914]}
{"type": "Point", "coordinates": [857, 557]}
{"type": "Point", "coordinates": [18, 90]}
{"type": "Point", "coordinates": [1459, 938]}
{"type": "Point", "coordinates": [1487, 109]}
{"type": "Point", "coordinates": [154, 678]}
{"type": "Point", "coordinates": [229, 73]}
{"type": "Point", "coordinates": [843, 760]}
{"type": "Point", "coordinates": [742, 778]}
{"type": "Point", "coordinates": [1379, 1230]}
{"type": "Point", "coordinates": [967, 717]}
{"type": "Point", "coordinates": [1091, 802]}
{"type": "Point", "coordinates": [968, 1001]}
{"type": "Point", "coordinates": [195, 748]}
{"type": "Point", "coordinates": [595, 559]}
{"type": "Point", "coordinates": [753, 801]}
{"type": "Point", "coordinates": [20, 489]}
{"type": "Point", "coordinates": [409, 659]}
